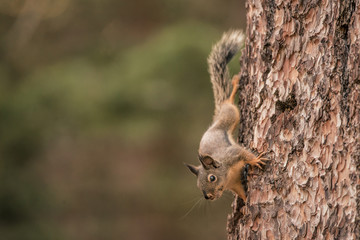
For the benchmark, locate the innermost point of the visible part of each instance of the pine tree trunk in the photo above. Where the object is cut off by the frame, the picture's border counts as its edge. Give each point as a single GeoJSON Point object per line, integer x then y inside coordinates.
{"type": "Point", "coordinates": [300, 102]}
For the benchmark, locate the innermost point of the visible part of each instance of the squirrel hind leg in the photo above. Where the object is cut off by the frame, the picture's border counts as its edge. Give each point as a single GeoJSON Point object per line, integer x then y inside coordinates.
{"type": "Point", "coordinates": [235, 83]}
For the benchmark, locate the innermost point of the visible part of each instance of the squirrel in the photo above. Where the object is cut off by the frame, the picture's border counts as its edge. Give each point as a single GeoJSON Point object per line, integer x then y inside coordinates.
{"type": "Point", "coordinates": [222, 159]}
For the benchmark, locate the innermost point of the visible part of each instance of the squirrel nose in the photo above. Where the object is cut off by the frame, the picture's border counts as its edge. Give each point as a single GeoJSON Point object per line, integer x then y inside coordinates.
{"type": "Point", "coordinates": [207, 195]}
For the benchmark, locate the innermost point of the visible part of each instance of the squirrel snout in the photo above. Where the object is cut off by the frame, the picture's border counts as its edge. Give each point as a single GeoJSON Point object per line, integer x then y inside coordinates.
{"type": "Point", "coordinates": [208, 195]}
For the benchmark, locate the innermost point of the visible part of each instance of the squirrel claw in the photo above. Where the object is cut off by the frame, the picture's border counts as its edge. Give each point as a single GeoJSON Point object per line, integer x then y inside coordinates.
{"type": "Point", "coordinates": [258, 165]}
{"type": "Point", "coordinates": [235, 81]}
{"type": "Point", "coordinates": [259, 160]}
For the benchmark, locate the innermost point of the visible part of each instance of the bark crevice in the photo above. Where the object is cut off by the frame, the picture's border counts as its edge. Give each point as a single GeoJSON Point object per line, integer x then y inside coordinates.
{"type": "Point", "coordinates": [342, 49]}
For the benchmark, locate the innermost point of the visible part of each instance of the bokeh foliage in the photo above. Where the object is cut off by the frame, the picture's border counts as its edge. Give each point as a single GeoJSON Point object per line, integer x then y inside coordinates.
{"type": "Point", "coordinates": [100, 104]}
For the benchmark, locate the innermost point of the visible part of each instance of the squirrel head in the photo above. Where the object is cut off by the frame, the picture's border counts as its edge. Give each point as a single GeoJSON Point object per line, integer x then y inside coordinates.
{"type": "Point", "coordinates": [211, 177]}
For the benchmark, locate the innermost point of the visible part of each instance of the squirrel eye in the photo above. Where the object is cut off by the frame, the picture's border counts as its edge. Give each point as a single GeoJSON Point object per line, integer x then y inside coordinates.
{"type": "Point", "coordinates": [212, 178]}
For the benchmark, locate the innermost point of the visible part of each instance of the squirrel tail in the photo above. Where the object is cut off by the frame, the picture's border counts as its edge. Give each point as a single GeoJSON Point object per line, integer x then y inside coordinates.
{"type": "Point", "coordinates": [221, 54]}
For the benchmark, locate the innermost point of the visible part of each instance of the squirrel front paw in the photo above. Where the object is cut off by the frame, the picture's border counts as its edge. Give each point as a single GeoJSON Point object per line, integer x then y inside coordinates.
{"type": "Point", "coordinates": [258, 161]}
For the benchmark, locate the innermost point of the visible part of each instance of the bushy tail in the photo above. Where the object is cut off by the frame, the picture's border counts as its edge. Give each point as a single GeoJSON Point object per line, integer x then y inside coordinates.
{"type": "Point", "coordinates": [221, 54]}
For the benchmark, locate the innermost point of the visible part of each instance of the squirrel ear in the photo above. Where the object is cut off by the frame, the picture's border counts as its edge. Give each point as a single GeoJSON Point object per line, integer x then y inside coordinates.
{"type": "Point", "coordinates": [208, 162]}
{"type": "Point", "coordinates": [193, 169]}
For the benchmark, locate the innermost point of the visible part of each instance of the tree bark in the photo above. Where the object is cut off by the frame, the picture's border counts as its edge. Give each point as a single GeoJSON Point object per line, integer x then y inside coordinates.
{"type": "Point", "coordinates": [300, 102]}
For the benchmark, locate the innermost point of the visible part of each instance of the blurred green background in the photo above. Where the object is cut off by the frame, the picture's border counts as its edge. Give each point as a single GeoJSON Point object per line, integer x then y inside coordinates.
{"type": "Point", "coordinates": [101, 102]}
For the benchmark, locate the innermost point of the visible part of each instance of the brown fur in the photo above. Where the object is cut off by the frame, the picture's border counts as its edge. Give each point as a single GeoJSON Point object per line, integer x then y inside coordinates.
{"type": "Point", "coordinates": [220, 156]}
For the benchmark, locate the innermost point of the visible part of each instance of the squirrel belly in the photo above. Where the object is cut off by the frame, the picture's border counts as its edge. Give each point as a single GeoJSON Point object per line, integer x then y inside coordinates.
{"type": "Point", "coordinates": [227, 118]}
{"type": "Point", "coordinates": [219, 135]}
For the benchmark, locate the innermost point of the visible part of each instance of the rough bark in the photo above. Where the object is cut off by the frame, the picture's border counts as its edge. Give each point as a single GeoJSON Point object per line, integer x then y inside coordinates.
{"type": "Point", "coordinates": [300, 102]}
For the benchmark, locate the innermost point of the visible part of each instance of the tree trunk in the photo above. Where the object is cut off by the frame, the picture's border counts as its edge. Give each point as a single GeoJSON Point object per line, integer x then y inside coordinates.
{"type": "Point", "coordinates": [300, 102]}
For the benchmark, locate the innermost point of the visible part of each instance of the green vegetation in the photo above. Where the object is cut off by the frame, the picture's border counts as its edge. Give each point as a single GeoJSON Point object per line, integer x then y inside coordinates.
{"type": "Point", "coordinates": [98, 111]}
